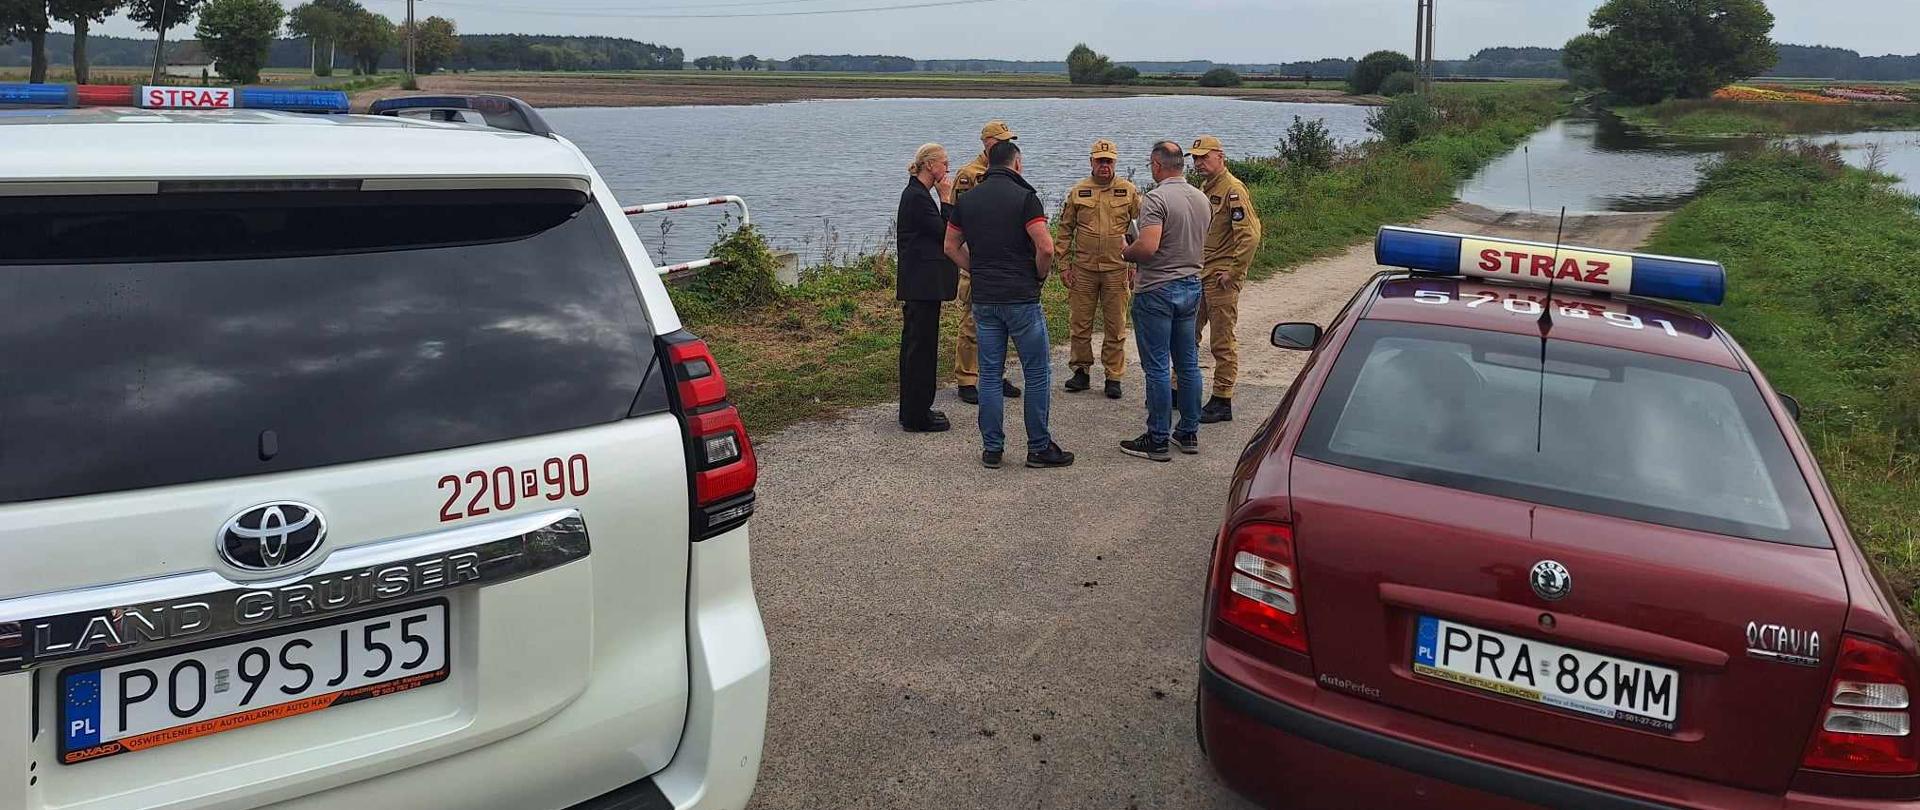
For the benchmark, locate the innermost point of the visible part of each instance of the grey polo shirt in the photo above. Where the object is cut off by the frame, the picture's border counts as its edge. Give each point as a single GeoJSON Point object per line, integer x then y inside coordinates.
{"type": "Point", "coordinates": [1183, 214]}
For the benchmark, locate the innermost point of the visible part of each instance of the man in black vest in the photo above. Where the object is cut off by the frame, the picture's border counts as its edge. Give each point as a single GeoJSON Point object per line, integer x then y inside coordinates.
{"type": "Point", "coordinates": [998, 234]}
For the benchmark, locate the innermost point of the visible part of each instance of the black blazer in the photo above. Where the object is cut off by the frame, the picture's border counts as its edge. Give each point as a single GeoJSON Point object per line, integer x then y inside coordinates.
{"type": "Point", "coordinates": [926, 274]}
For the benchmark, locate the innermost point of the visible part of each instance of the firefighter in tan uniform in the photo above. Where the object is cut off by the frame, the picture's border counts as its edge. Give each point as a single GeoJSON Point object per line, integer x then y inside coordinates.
{"type": "Point", "coordinates": [966, 346]}
{"type": "Point", "coordinates": [1089, 234]}
{"type": "Point", "coordinates": [1232, 238]}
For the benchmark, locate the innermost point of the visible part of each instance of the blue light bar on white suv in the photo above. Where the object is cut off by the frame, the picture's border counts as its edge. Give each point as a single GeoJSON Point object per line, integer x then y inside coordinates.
{"type": "Point", "coordinates": [172, 98]}
{"type": "Point", "coordinates": [1540, 264]}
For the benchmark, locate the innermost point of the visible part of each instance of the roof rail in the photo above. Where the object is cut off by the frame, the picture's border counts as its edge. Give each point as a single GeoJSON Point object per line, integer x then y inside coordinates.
{"type": "Point", "coordinates": [499, 112]}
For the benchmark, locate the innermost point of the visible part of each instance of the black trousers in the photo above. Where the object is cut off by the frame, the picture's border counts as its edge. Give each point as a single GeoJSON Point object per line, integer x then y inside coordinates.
{"type": "Point", "coordinates": [919, 359]}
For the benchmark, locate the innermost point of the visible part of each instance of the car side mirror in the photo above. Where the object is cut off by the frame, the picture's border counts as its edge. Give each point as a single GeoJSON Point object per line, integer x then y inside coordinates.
{"type": "Point", "coordinates": [1297, 336]}
{"type": "Point", "coordinates": [1793, 405]}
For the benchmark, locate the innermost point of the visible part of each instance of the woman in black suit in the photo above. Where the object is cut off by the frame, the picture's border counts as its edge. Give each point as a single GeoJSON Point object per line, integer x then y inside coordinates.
{"type": "Point", "coordinates": [926, 278]}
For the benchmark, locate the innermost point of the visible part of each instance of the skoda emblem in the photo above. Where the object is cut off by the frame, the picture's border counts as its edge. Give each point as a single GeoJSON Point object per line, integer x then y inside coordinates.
{"type": "Point", "coordinates": [1551, 580]}
{"type": "Point", "coordinates": [272, 536]}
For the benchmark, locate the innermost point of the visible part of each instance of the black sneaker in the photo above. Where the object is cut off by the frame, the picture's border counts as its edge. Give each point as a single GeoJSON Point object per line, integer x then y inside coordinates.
{"type": "Point", "coordinates": [1113, 389]}
{"type": "Point", "coordinates": [1188, 443]}
{"type": "Point", "coordinates": [1009, 390]}
{"type": "Point", "coordinates": [1053, 456]}
{"type": "Point", "coordinates": [1079, 381]}
{"type": "Point", "coordinates": [1218, 409]}
{"type": "Point", "coordinates": [990, 459]}
{"type": "Point", "coordinates": [970, 395]}
{"type": "Point", "coordinates": [1145, 447]}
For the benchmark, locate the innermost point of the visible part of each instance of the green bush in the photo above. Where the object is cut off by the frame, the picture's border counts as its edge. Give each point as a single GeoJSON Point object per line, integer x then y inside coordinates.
{"type": "Point", "coordinates": [1122, 74]}
{"type": "Point", "coordinates": [744, 276]}
{"type": "Point", "coordinates": [1405, 120]}
{"type": "Point", "coordinates": [1220, 77]}
{"type": "Point", "coordinates": [1374, 69]}
{"type": "Point", "coordinates": [1399, 84]}
{"type": "Point", "coordinates": [1308, 144]}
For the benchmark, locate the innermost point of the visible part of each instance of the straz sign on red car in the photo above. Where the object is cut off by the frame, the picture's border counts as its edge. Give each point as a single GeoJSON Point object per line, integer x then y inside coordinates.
{"type": "Point", "coordinates": [1565, 267]}
{"type": "Point", "coordinates": [188, 98]}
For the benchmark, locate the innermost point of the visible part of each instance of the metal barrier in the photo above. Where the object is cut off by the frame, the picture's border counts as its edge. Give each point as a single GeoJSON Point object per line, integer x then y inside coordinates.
{"type": "Point", "coordinates": [746, 218]}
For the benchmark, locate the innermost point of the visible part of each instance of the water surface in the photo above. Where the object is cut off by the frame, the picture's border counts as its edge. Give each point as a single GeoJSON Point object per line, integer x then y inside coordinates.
{"type": "Point", "coordinates": [825, 176]}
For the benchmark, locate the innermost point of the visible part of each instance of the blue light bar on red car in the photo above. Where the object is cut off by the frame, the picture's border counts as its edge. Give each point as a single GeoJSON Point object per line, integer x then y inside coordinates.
{"type": "Point", "coordinates": [1540, 264]}
{"type": "Point", "coordinates": [172, 98]}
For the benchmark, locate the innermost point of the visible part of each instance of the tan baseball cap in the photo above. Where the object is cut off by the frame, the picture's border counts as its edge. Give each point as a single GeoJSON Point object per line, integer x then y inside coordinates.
{"type": "Point", "coordinates": [1206, 144]}
{"type": "Point", "coordinates": [998, 131]}
{"type": "Point", "coordinates": [1105, 149]}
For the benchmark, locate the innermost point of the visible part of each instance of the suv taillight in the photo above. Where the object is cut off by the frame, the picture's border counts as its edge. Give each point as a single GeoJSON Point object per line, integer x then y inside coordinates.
{"type": "Point", "coordinates": [718, 450]}
{"type": "Point", "coordinates": [1866, 725]}
{"type": "Point", "coordinates": [1259, 586]}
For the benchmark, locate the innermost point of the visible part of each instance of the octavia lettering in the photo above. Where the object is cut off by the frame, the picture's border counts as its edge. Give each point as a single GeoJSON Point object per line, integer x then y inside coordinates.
{"type": "Point", "coordinates": [484, 492]}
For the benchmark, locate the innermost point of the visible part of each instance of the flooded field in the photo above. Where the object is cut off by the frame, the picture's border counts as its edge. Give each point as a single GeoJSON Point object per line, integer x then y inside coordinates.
{"type": "Point", "coordinates": [824, 177]}
{"type": "Point", "coordinates": [1598, 165]}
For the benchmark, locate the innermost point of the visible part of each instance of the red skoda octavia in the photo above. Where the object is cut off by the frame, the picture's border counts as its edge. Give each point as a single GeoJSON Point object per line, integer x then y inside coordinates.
{"type": "Point", "coordinates": [1522, 535]}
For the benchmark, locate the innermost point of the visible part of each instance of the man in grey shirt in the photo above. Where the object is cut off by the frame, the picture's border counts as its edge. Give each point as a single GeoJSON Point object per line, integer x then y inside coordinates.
{"type": "Point", "coordinates": [1173, 230]}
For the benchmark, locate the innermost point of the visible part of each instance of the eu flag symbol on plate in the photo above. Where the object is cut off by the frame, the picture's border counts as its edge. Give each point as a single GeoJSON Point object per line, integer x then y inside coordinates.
{"type": "Point", "coordinates": [82, 714]}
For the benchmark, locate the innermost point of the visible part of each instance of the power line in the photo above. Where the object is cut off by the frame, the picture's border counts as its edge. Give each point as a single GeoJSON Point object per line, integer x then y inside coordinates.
{"type": "Point", "coordinates": [648, 16]}
{"type": "Point", "coordinates": [649, 7]}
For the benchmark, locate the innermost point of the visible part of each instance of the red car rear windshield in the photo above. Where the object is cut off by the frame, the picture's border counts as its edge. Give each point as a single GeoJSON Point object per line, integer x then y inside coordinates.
{"type": "Point", "coordinates": [1571, 425]}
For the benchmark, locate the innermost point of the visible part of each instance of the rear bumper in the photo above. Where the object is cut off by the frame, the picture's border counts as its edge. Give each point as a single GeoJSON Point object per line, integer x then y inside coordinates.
{"type": "Point", "coordinates": [581, 758]}
{"type": "Point", "coordinates": [1320, 749]}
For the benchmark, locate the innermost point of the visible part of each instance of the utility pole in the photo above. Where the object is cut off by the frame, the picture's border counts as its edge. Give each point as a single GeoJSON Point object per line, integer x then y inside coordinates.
{"type": "Point", "coordinates": [1423, 47]}
{"type": "Point", "coordinates": [412, 32]}
{"type": "Point", "coordinates": [1419, 44]}
{"type": "Point", "coordinates": [160, 42]}
{"type": "Point", "coordinates": [1431, 25]}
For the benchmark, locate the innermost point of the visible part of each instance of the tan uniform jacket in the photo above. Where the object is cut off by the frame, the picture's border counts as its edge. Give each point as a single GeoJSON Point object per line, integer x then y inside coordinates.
{"type": "Point", "coordinates": [969, 176]}
{"type": "Point", "coordinates": [1234, 233]}
{"type": "Point", "coordinates": [1092, 227]}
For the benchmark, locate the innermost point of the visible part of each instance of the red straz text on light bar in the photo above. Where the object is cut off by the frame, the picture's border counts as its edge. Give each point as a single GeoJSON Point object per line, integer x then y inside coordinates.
{"type": "Point", "coordinates": [187, 98]}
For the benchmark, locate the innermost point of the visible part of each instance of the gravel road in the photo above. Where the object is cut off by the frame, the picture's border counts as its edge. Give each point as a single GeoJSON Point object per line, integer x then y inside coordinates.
{"type": "Point", "coordinates": [946, 636]}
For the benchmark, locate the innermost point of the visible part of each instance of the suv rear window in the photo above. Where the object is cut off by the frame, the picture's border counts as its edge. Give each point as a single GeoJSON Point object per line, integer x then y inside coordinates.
{"type": "Point", "coordinates": [1602, 430]}
{"type": "Point", "coordinates": [164, 339]}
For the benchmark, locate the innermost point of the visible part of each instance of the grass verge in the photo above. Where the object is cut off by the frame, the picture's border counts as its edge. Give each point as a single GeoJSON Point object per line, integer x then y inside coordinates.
{"type": "Point", "coordinates": [1721, 117]}
{"type": "Point", "coordinates": [1819, 258]}
{"type": "Point", "coordinates": [833, 341]}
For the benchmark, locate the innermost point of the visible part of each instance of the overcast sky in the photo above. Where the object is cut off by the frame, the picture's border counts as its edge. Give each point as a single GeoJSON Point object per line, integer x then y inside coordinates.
{"type": "Point", "coordinates": [1243, 31]}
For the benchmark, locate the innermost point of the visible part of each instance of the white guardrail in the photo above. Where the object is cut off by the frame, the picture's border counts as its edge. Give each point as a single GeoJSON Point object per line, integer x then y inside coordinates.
{"type": "Point", "coordinates": [746, 218]}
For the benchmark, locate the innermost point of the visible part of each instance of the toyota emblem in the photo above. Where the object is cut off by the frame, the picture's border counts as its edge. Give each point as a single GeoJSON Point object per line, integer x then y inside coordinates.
{"type": "Point", "coordinates": [1551, 580]}
{"type": "Point", "coordinates": [272, 536]}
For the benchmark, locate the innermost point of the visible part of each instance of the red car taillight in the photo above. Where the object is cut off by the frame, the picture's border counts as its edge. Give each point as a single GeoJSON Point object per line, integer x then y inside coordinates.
{"type": "Point", "coordinates": [718, 450]}
{"type": "Point", "coordinates": [1866, 724]}
{"type": "Point", "coordinates": [1259, 587]}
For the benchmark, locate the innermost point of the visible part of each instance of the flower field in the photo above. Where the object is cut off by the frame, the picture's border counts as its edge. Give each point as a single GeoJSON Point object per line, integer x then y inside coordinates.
{"type": "Point", "coordinates": [1838, 94]}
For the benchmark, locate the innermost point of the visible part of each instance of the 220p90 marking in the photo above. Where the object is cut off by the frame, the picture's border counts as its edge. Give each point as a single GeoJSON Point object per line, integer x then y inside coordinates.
{"type": "Point", "coordinates": [556, 478]}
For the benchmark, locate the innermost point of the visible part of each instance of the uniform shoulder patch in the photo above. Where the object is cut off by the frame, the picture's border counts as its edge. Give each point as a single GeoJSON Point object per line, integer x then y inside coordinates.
{"type": "Point", "coordinates": [1216, 199]}
{"type": "Point", "coordinates": [1086, 192]}
{"type": "Point", "coordinates": [1239, 214]}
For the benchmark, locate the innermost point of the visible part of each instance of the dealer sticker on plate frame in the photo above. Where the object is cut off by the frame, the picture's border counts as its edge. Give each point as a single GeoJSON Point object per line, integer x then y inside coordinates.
{"type": "Point", "coordinates": [1625, 692]}
{"type": "Point", "coordinates": [116, 707]}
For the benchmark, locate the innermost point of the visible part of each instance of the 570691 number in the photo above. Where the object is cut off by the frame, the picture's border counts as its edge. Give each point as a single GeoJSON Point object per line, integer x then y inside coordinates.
{"type": "Point", "coordinates": [502, 488]}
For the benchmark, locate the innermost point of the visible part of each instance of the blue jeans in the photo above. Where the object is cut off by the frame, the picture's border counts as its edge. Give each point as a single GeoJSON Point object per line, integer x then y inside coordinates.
{"type": "Point", "coordinates": [1163, 327]}
{"type": "Point", "coordinates": [1026, 326]}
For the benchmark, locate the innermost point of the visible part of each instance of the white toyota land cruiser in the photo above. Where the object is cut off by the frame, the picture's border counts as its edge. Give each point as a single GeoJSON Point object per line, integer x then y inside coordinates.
{"type": "Point", "coordinates": [354, 462]}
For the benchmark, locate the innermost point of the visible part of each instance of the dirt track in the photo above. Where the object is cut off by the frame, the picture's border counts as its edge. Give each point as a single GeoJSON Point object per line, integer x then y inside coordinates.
{"type": "Point", "coordinates": [954, 637]}
{"type": "Point", "coordinates": [667, 89]}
